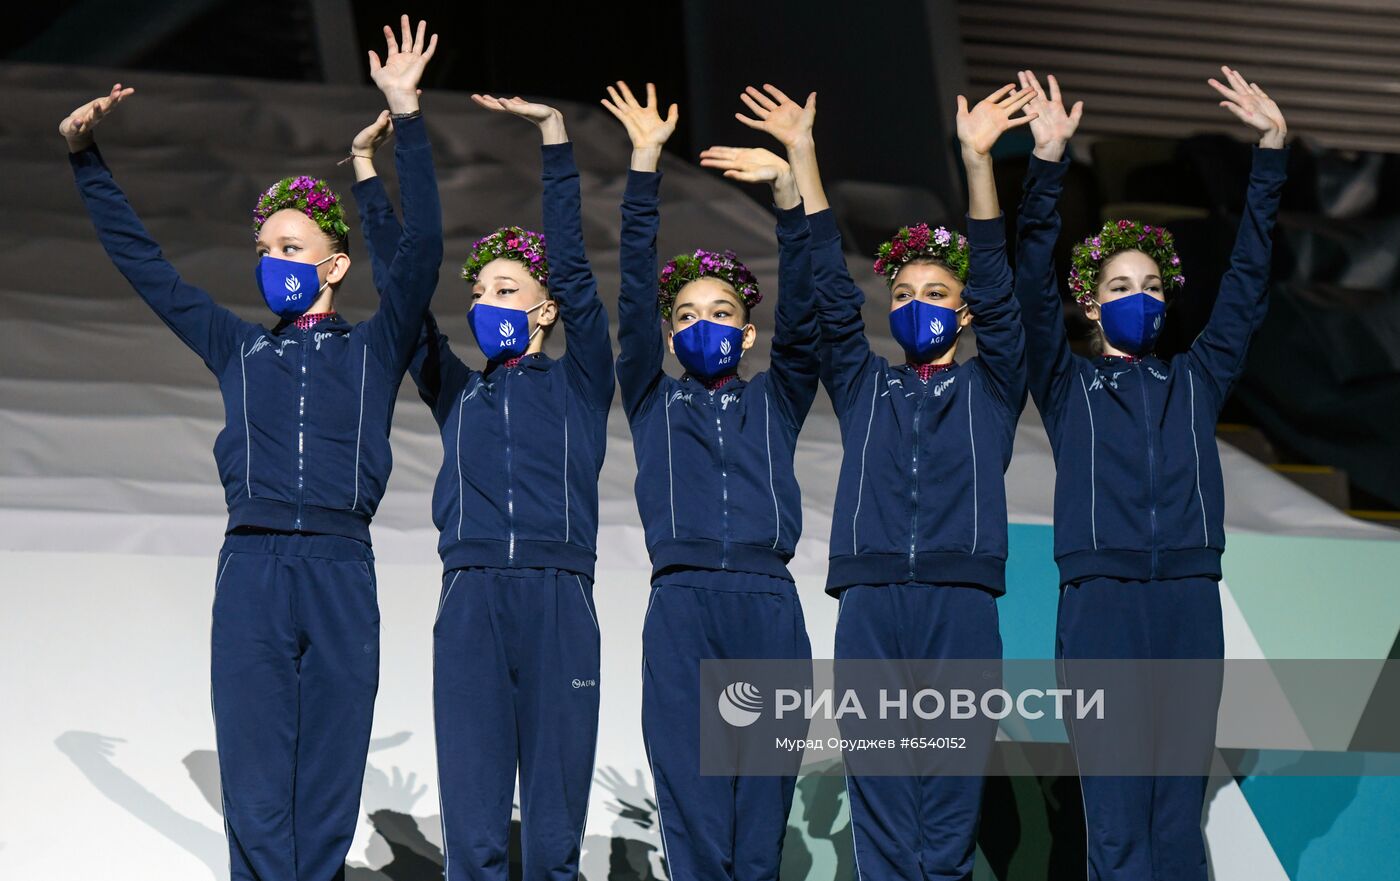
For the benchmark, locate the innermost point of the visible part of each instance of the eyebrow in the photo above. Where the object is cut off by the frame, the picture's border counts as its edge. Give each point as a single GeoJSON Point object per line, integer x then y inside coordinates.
{"type": "Point", "coordinates": [904, 285]}
{"type": "Point", "coordinates": [719, 301]}
{"type": "Point", "coordinates": [1125, 278]}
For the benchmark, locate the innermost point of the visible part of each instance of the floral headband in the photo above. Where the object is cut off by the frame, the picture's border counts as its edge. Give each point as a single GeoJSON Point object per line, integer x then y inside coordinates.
{"type": "Point", "coordinates": [1090, 255]}
{"type": "Point", "coordinates": [913, 242]}
{"type": "Point", "coordinates": [685, 268]}
{"type": "Point", "coordinates": [514, 243]}
{"type": "Point", "coordinates": [310, 196]}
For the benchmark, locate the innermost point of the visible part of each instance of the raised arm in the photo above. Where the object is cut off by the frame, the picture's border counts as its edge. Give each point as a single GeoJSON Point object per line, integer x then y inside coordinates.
{"type": "Point", "coordinates": [412, 273]}
{"type": "Point", "coordinates": [996, 317]}
{"type": "Point", "coordinates": [844, 351]}
{"type": "Point", "coordinates": [571, 282]}
{"type": "Point", "coordinates": [641, 350]}
{"type": "Point", "coordinates": [1049, 361]}
{"type": "Point", "coordinates": [209, 329]}
{"type": "Point", "coordinates": [795, 363]}
{"type": "Point", "coordinates": [1240, 306]}
{"type": "Point", "coordinates": [435, 368]}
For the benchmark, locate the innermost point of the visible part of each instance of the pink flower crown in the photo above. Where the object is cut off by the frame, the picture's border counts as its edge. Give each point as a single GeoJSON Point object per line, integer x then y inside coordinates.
{"type": "Point", "coordinates": [912, 242]}
{"type": "Point", "coordinates": [1089, 256]}
{"type": "Point", "coordinates": [682, 269]}
{"type": "Point", "coordinates": [310, 196]}
{"type": "Point", "coordinates": [514, 243]}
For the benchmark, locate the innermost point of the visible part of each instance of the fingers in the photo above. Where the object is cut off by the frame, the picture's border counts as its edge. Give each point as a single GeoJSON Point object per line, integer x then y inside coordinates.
{"type": "Point", "coordinates": [651, 95]}
{"type": "Point", "coordinates": [391, 45]}
{"type": "Point", "coordinates": [616, 97]}
{"type": "Point", "coordinates": [673, 115]}
{"type": "Point", "coordinates": [374, 64]}
{"type": "Point", "coordinates": [997, 96]}
{"type": "Point", "coordinates": [749, 102]}
{"type": "Point", "coordinates": [432, 48]}
{"type": "Point", "coordinates": [1240, 112]}
{"type": "Point", "coordinates": [962, 105]}
{"type": "Point", "coordinates": [811, 104]}
{"type": "Point", "coordinates": [763, 100]}
{"type": "Point", "coordinates": [612, 108]}
{"type": "Point", "coordinates": [1223, 89]}
{"type": "Point", "coordinates": [1076, 112]}
{"type": "Point", "coordinates": [406, 29]}
{"type": "Point", "coordinates": [751, 123]}
{"type": "Point", "coordinates": [628, 96]}
{"type": "Point", "coordinates": [1018, 100]}
{"type": "Point", "coordinates": [1021, 120]}
{"type": "Point", "coordinates": [1054, 88]}
{"type": "Point", "coordinates": [420, 37]}
{"type": "Point", "coordinates": [777, 93]}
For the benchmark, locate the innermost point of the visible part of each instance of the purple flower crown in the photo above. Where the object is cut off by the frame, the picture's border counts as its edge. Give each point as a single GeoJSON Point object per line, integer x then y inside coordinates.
{"type": "Point", "coordinates": [310, 196]}
{"type": "Point", "coordinates": [913, 242]}
{"type": "Point", "coordinates": [682, 269]}
{"type": "Point", "coordinates": [1090, 255]}
{"type": "Point", "coordinates": [514, 243]}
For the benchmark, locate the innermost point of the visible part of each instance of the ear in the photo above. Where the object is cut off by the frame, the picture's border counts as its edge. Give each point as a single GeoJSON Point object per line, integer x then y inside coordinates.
{"type": "Point", "coordinates": [549, 313]}
{"type": "Point", "coordinates": [670, 338]}
{"type": "Point", "coordinates": [750, 336]}
{"type": "Point", "coordinates": [339, 267]}
{"type": "Point", "coordinates": [1091, 310]}
{"type": "Point", "coordinates": [965, 318]}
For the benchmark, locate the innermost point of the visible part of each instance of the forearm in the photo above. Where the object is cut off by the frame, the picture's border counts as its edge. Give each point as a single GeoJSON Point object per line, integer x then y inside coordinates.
{"type": "Point", "coordinates": [981, 186]}
{"type": "Point", "coordinates": [641, 355]}
{"type": "Point", "coordinates": [802, 156]}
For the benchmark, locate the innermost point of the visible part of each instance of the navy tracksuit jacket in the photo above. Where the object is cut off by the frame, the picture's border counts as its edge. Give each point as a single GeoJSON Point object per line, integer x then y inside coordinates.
{"type": "Point", "coordinates": [1139, 504]}
{"type": "Point", "coordinates": [918, 535]}
{"type": "Point", "coordinates": [304, 458]}
{"type": "Point", "coordinates": [516, 641]}
{"type": "Point", "coordinates": [722, 512]}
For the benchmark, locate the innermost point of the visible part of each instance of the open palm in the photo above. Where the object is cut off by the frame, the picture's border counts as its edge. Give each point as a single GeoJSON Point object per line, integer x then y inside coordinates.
{"type": "Point", "coordinates": [1052, 123]}
{"type": "Point", "coordinates": [78, 125]}
{"type": "Point", "coordinates": [1250, 104]}
{"type": "Point", "coordinates": [404, 58]}
{"type": "Point", "coordinates": [644, 123]}
{"type": "Point", "coordinates": [778, 115]}
{"type": "Point", "coordinates": [981, 125]}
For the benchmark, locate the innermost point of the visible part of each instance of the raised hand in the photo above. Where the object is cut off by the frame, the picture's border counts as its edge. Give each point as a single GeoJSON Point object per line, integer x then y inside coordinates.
{"type": "Point", "coordinates": [778, 115]}
{"type": "Point", "coordinates": [397, 77]}
{"type": "Point", "coordinates": [550, 121]}
{"type": "Point", "coordinates": [980, 126]}
{"type": "Point", "coordinates": [372, 137]}
{"type": "Point", "coordinates": [645, 126]}
{"type": "Point", "coordinates": [1052, 126]}
{"type": "Point", "coordinates": [77, 126]}
{"type": "Point", "coordinates": [752, 165]}
{"type": "Point", "coordinates": [1252, 106]}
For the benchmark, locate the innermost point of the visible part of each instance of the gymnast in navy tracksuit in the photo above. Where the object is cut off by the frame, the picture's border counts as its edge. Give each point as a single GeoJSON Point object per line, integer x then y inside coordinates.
{"type": "Point", "coordinates": [515, 642]}
{"type": "Point", "coordinates": [918, 536]}
{"type": "Point", "coordinates": [303, 456]}
{"type": "Point", "coordinates": [1139, 496]}
{"type": "Point", "coordinates": [717, 494]}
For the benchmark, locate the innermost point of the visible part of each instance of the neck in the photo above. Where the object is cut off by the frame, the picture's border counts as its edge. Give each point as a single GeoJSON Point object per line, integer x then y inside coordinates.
{"type": "Point", "coordinates": [1111, 352]}
{"type": "Point", "coordinates": [324, 303]}
{"type": "Point", "coordinates": [715, 382]}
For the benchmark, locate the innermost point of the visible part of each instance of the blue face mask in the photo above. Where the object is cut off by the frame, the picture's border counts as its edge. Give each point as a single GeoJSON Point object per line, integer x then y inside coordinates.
{"type": "Point", "coordinates": [1131, 324]}
{"type": "Point", "coordinates": [502, 333]}
{"type": "Point", "coordinates": [924, 331]}
{"type": "Point", "coordinates": [706, 349]}
{"type": "Point", "coordinates": [288, 287]}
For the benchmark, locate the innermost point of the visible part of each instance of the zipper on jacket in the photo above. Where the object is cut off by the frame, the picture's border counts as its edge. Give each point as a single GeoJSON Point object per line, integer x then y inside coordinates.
{"type": "Point", "coordinates": [510, 482]}
{"type": "Point", "coordinates": [914, 483]}
{"type": "Point", "coordinates": [1151, 468]}
{"type": "Point", "coordinates": [301, 432]}
{"type": "Point", "coordinates": [723, 486]}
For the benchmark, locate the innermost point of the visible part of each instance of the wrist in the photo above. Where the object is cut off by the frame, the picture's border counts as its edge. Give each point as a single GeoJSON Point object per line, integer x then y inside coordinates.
{"type": "Point", "coordinates": [646, 158]}
{"type": "Point", "coordinates": [1273, 139]}
{"type": "Point", "coordinates": [973, 159]}
{"type": "Point", "coordinates": [363, 166]}
{"type": "Point", "coordinates": [79, 143]}
{"type": "Point", "coordinates": [401, 102]}
{"type": "Point", "coordinates": [803, 145]}
{"type": "Point", "coordinates": [785, 194]}
{"type": "Point", "coordinates": [552, 129]}
{"type": "Point", "coordinates": [1050, 151]}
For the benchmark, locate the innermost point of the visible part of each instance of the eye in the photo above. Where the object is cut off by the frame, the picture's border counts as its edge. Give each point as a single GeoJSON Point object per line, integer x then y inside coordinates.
{"type": "Point", "coordinates": [476, 295]}
{"type": "Point", "coordinates": [506, 292]}
{"type": "Point", "coordinates": [901, 295]}
{"type": "Point", "coordinates": [290, 249]}
{"type": "Point", "coordinates": [722, 313]}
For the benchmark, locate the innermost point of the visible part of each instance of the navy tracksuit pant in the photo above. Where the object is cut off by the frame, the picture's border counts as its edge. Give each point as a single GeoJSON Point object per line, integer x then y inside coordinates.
{"type": "Point", "coordinates": [295, 669]}
{"type": "Point", "coordinates": [917, 827]}
{"type": "Point", "coordinates": [1145, 828]}
{"type": "Point", "coordinates": [515, 684]}
{"type": "Point", "coordinates": [713, 828]}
